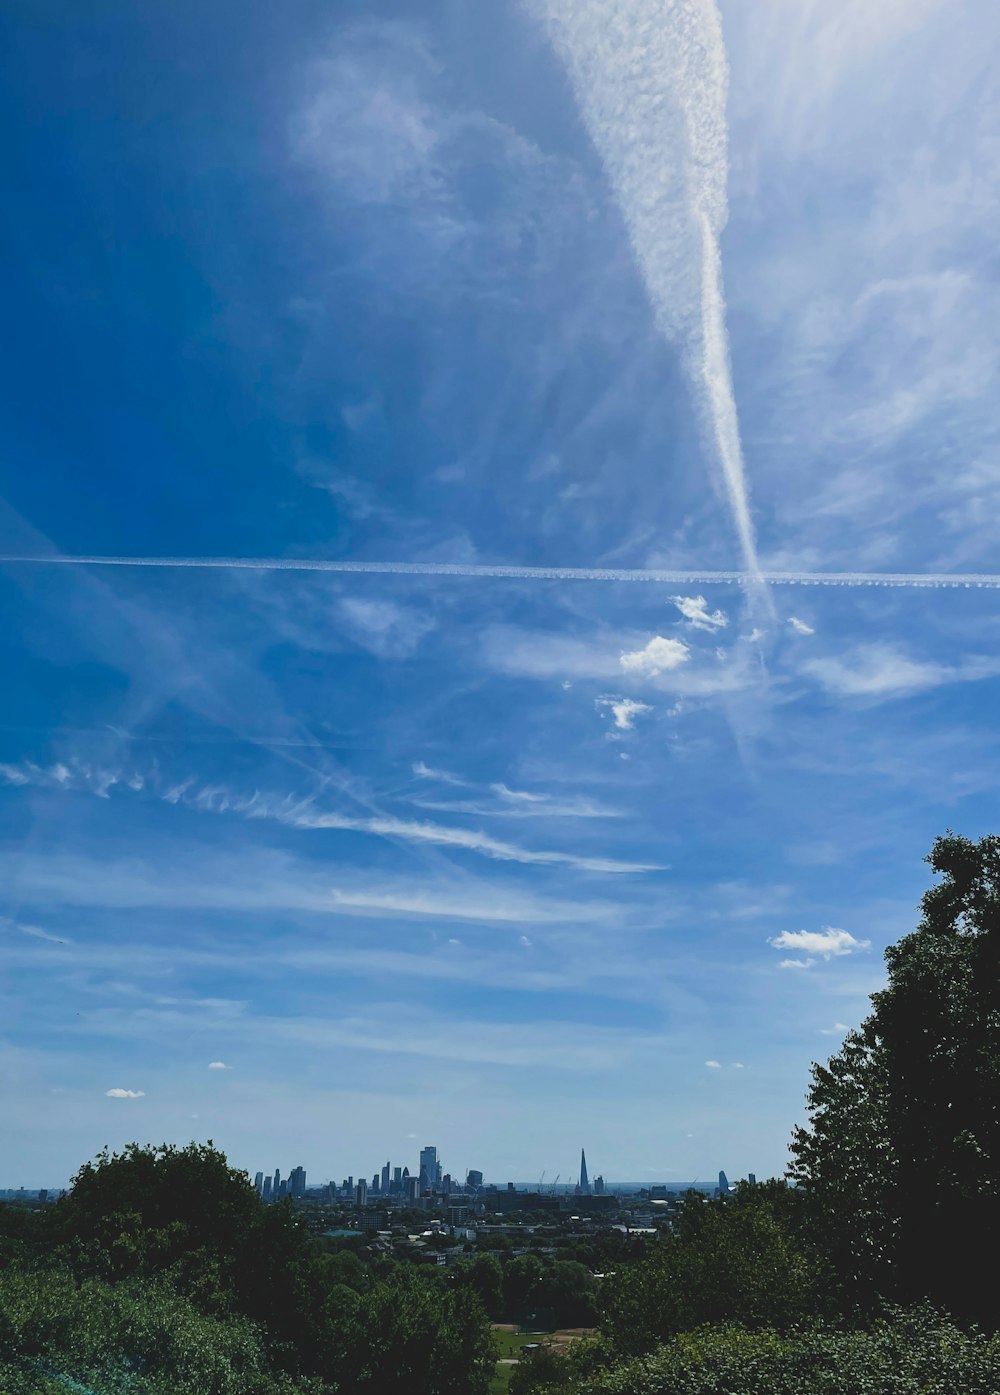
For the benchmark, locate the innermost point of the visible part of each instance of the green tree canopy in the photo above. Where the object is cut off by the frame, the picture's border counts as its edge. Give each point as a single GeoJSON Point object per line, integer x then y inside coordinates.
{"type": "Point", "coordinates": [901, 1159]}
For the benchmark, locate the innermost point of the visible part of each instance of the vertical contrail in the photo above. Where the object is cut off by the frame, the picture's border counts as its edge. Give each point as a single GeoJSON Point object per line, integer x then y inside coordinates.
{"type": "Point", "coordinates": [650, 78]}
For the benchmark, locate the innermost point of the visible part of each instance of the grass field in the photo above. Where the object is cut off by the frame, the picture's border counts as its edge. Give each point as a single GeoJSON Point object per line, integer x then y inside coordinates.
{"type": "Point", "coordinates": [510, 1343]}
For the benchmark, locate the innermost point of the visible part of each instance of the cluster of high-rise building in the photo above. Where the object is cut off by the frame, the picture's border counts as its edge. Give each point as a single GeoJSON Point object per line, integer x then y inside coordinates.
{"type": "Point", "coordinates": [274, 1188]}
{"type": "Point", "coordinates": [400, 1184]}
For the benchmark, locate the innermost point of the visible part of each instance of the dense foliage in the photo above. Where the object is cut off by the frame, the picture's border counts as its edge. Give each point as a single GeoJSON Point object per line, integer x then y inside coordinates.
{"type": "Point", "coordinates": [162, 1271]}
{"type": "Point", "coordinates": [901, 1161]}
{"type": "Point", "coordinates": [914, 1352]}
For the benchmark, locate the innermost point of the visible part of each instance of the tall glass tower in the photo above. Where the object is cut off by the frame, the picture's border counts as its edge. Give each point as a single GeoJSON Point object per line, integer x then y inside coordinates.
{"type": "Point", "coordinates": [584, 1179]}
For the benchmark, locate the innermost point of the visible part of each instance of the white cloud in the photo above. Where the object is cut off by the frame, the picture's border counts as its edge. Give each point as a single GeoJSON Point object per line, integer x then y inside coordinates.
{"type": "Point", "coordinates": [714, 1065]}
{"type": "Point", "coordinates": [293, 811]}
{"type": "Point", "coordinates": [387, 630]}
{"type": "Point", "coordinates": [738, 1065]}
{"type": "Point", "coordinates": [799, 626]}
{"type": "Point", "coordinates": [503, 792]}
{"type": "Point", "coordinates": [119, 1094]}
{"type": "Point", "coordinates": [32, 931]}
{"type": "Point", "coordinates": [695, 611]}
{"type": "Point", "coordinates": [523, 940]}
{"type": "Point", "coordinates": [427, 772]}
{"type": "Point", "coordinates": [796, 963]}
{"type": "Point", "coordinates": [837, 1030]}
{"type": "Point", "coordinates": [218, 1065]}
{"type": "Point", "coordinates": [883, 670]}
{"type": "Point", "coordinates": [830, 943]}
{"type": "Point", "coordinates": [624, 711]}
{"type": "Point", "coordinates": [658, 656]}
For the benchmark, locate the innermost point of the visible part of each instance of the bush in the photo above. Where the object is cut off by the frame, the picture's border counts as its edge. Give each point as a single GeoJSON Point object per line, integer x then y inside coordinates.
{"type": "Point", "coordinates": [914, 1352]}
{"type": "Point", "coordinates": [128, 1337]}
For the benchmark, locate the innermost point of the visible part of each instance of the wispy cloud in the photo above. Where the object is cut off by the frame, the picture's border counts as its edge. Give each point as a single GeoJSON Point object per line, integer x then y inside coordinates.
{"type": "Point", "coordinates": [651, 85]}
{"type": "Point", "coordinates": [265, 881]}
{"type": "Point", "coordinates": [444, 777]}
{"type": "Point", "coordinates": [32, 931]}
{"type": "Point", "coordinates": [388, 630]}
{"type": "Point", "coordinates": [119, 1094]}
{"type": "Point", "coordinates": [887, 671]}
{"type": "Point", "coordinates": [305, 812]}
{"type": "Point", "coordinates": [799, 626]}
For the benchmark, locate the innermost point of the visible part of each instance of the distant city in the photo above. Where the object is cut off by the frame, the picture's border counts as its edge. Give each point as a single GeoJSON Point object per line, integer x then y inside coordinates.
{"type": "Point", "coordinates": [430, 1187]}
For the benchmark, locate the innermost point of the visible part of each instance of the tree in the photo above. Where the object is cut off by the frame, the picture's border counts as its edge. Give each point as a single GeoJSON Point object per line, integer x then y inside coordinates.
{"type": "Point", "coordinates": [903, 1148]}
{"type": "Point", "coordinates": [737, 1259]}
{"type": "Point", "coordinates": [484, 1277]}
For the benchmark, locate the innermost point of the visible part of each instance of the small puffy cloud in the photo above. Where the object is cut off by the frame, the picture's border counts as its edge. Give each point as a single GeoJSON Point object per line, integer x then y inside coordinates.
{"type": "Point", "coordinates": [796, 963]}
{"type": "Point", "coordinates": [624, 711]}
{"type": "Point", "coordinates": [659, 656]}
{"type": "Point", "coordinates": [738, 1065]}
{"type": "Point", "coordinates": [119, 1094]}
{"type": "Point", "coordinates": [523, 940]}
{"type": "Point", "coordinates": [453, 941]}
{"type": "Point", "coordinates": [218, 1065]}
{"type": "Point", "coordinates": [799, 626]}
{"type": "Point", "coordinates": [829, 943]}
{"type": "Point", "coordinates": [714, 1065]}
{"type": "Point", "coordinates": [695, 611]}
{"type": "Point", "coordinates": [837, 1030]}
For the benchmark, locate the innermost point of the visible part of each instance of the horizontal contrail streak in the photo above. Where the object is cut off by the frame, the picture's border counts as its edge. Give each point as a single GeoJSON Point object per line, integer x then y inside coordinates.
{"type": "Point", "coordinates": [681, 576]}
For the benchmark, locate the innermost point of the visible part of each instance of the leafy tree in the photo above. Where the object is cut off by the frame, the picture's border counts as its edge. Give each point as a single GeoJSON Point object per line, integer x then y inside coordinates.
{"type": "Point", "coordinates": [737, 1259]}
{"type": "Point", "coordinates": [484, 1277]}
{"type": "Point", "coordinates": [906, 1353]}
{"type": "Point", "coordinates": [901, 1161]}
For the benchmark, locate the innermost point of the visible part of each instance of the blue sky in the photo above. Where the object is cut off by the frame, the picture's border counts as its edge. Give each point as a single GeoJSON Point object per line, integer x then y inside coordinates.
{"type": "Point", "coordinates": [327, 866]}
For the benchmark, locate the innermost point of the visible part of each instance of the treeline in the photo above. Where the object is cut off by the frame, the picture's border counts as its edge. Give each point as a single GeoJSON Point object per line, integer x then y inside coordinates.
{"type": "Point", "coordinates": [872, 1271]}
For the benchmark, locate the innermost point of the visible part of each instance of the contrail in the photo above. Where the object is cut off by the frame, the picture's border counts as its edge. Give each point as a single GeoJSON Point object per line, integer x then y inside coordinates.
{"type": "Point", "coordinates": [650, 78]}
{"type": "Point", "coordinates": [680, 576]}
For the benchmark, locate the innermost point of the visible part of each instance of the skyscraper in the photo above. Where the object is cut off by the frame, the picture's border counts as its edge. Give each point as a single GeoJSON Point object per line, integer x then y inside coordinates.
{"type": "Point", "coordinates": [258, 1183]}
{"type": "Point", "coordinates": [385, 1180]}
{"type": "Point", "coordinates": [266, 1193]}
{"type": "Point", "coordinates": [297, 1182]}
{"type": "Point", "coordinates": [361, 1192]}
{"type": "Point", "coordinates": [428, 1168]}
{"type": "Point", "coordinates": [474, 1178]}
{"type": "Point", "coordinates": [584, 1180]}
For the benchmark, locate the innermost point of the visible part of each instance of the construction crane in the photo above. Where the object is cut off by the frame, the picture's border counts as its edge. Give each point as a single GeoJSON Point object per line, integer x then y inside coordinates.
{"type": "Point", "coordinates": [556, 1183]}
